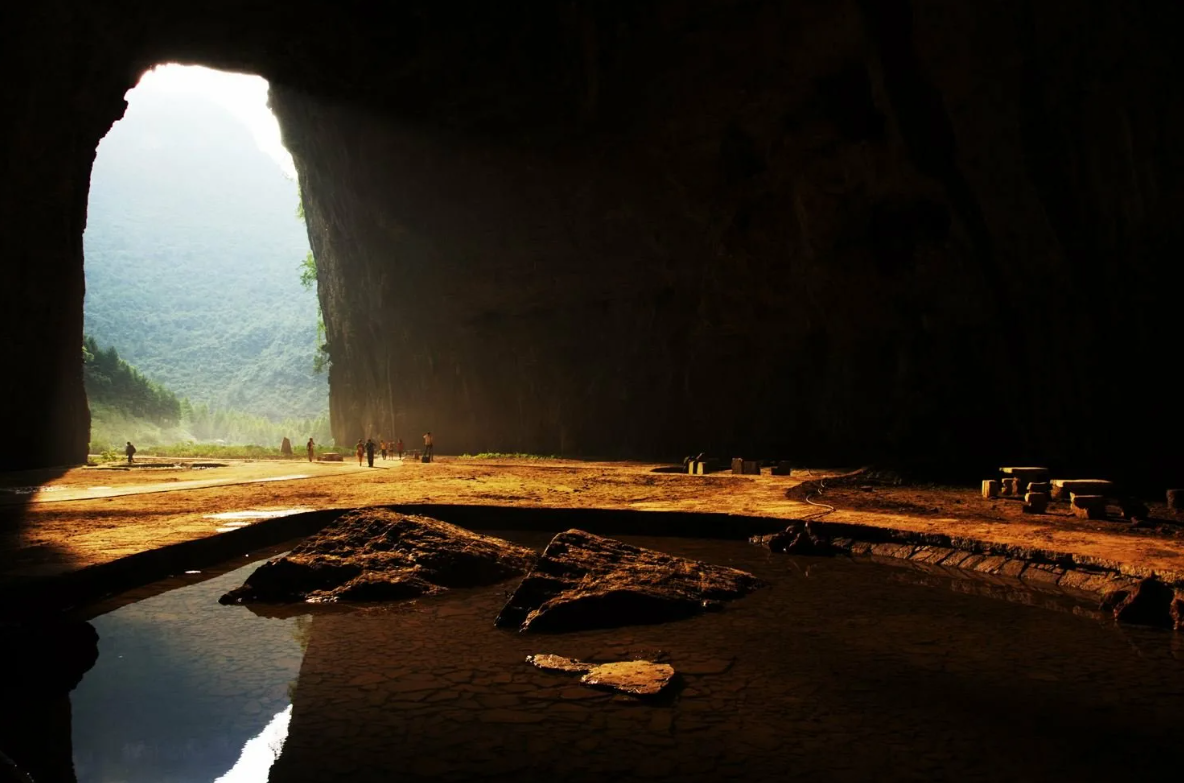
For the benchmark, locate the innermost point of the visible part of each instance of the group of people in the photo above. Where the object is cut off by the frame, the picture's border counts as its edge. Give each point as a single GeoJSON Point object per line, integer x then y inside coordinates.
{"type": "Point", "coordinates": [366, 449]}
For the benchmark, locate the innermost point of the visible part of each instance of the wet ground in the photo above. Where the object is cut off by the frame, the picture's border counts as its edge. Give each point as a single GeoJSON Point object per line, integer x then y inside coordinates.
{"type": "Point", "coordinates": [837, 671]}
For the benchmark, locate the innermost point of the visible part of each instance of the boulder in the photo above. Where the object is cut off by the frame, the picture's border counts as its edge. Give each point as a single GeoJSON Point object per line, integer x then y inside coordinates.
{"type": "Point", "coordinates": [587, 581]}
{"type": "Point", "coordinates": [1146, 602]}
{"type": "Point", "coordinates": [380, 555]}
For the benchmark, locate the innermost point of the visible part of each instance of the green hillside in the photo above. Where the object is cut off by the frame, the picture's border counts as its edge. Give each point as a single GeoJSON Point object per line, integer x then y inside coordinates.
{"type": "Point", "coordinates": [193, 252]}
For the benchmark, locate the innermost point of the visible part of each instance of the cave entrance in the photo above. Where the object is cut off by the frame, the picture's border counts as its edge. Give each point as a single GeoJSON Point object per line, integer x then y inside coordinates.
{"type": "Point", "coordinates": [194, 250]}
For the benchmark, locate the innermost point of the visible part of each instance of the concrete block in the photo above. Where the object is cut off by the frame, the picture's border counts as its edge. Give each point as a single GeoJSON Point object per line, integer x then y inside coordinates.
{"type": "Point", "coordinates": [1025, 476]}
{"type": "Point", "coordinates": [1028, 474]}
{"type": "Point", "coordinates": [991, 488]}
{"type": "Point", "coordinates": [1035, 502]}
{"type": "Point", "coordinates": [750, 467]}
{"type": "Point", "coordinates": [1040, 486]}
{"type": "Point", "coordinates": [782, 468]}
{"type": "Point", "coordinates": [1176, 499]}
{"type": "Point", "coordinates": [1063, 488]}
{"type": "Point", "coordinates": [737, 466]}
{"type": "Point", "coordinates": [1010, 487]}
{"type": "Point", "coordinates": [705, 466]}
{"type": "Point", "coordinates": [1088, 506]}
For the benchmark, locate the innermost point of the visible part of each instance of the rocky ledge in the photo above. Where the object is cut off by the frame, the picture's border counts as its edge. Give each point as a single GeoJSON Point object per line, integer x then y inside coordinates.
{"type": "Point", "coordinates": [379, 555]}
{"type": "Point", "coordinates": [636, 678]}
{"type": "Point", "coordinates": [586, 581]}
{"type": "Point", "coordinates": [1135, 596]}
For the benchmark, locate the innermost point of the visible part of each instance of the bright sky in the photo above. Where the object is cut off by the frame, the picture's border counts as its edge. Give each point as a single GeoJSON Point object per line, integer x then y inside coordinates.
{"type": "Point", "coordinates": [244, 95]}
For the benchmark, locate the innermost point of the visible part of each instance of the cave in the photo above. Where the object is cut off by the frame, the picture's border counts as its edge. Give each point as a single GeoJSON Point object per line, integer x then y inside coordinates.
{"type": "Point", "coordinates": [924, 233]}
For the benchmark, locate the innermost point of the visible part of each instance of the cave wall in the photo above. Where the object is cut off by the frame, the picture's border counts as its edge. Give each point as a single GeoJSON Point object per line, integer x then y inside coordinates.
{"type": "Point", "coordinates": [922, 232]}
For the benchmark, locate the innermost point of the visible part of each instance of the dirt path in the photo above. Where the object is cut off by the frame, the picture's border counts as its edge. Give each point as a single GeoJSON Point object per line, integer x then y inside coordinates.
{"type": "Point", "coordinates": [41, 538]}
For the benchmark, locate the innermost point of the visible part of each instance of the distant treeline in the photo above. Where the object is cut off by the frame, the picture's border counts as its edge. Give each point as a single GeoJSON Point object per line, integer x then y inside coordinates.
{"type": "Point", "coordinates": [125, 405]}
{"type": "Point", "coordinates": [112, 381]}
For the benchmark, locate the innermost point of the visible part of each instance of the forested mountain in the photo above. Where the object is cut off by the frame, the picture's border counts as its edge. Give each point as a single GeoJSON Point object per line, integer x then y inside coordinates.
{"type": "Point", "coordinates": [193, 250]}
{"type": "Point", "coordinates": [113, 382]}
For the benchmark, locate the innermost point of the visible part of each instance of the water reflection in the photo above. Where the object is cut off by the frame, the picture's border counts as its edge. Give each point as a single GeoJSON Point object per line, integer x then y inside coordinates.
{"type": "Point", "coordinates": [260, 752]}
{"type": "Point", "coordinates": [184, 688]}
{"type": "Point", "coordinates": [838, 671]}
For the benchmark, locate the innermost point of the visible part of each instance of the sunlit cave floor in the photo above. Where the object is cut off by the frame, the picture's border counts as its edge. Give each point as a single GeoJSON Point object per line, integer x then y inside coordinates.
{"type": "Point", "coordinates": [54, 523]}
{"type": "Point", "coordinates": [837, 670]}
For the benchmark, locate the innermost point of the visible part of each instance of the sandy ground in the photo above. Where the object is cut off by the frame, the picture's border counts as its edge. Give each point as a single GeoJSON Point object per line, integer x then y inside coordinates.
{"type": "Point", "coordinates": [67, 524]}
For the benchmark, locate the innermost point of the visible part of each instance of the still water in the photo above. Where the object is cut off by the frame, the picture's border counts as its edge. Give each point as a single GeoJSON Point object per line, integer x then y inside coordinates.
{"type": "Point", "coordinates": [839, 670]}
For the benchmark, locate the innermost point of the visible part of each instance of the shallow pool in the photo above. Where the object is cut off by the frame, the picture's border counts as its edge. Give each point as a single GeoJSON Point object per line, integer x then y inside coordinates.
{"type": "Point", "coordinates": [837, 671]}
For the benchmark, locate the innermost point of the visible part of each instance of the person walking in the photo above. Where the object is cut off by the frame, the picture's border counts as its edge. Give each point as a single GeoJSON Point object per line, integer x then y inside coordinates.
{"type": "Point", "coordinates": [399, 448]}
{"type": "Point", "coordinates": [427, 445]}
{"type": "Point", "coordinates": [312, 449]}
{"type": "Point", "coordinates": [382, 447]}
{"type": "Point", "coordinates": [361, 451]}
{"type": "Point", "coordinates": [370, 452]}
{"type": "Point", "coordinates": [130, 451]}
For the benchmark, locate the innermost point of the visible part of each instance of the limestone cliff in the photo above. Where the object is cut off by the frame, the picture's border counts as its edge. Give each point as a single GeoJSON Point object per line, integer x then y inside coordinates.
{"type": "Point", "coordinates": [929, 231]}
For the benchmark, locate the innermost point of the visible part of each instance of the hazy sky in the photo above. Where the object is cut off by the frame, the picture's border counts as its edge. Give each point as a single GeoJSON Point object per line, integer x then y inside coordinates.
{"type": "Point", "coordinates": [245, 96]}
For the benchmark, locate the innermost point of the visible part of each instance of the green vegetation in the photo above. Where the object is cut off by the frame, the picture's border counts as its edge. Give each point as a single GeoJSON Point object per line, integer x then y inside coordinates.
{"type": "Point", "coordinates": [189, 245]}
{"type": "Point", "coordinates": [308, 279]}
{"type": "Point", "coordinates": [127, 406]}
{"type": "Point", "coordinates": [112, 382]}
{"type": "Point", "coordinates": [508, 455]}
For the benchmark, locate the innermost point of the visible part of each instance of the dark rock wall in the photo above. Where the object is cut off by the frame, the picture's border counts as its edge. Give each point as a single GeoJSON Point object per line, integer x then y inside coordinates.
{"type": "Point", "coordinates": [920, 231]}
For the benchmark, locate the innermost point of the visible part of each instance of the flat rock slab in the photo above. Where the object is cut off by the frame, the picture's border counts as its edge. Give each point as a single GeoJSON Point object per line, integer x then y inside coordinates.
{"type": "Point", "coordinates": [1025, 473]}
{"type": "Point", "coordinates": [587, 581]}
{"type": "Point", "coordinates": [636, 678]}
{"type": "Point", "coordinates": [380, 555]}
{"type": "Point", "coordinates": [1062, 488]}
{"type": "Point", "coordinates": [557, 663]}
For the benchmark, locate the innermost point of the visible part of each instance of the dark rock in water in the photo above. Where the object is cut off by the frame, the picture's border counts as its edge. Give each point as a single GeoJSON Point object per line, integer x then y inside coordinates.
{"type": "Point", "coordinates": [1147, 602]}
{"type": "Point", "coordinates": [636, 678]}
{"type": "Point", "coordinates": [378, 555]}
{"type": "Point", "coordinates": [586, 581]}
{"type": "Point", "coordinates": [796, 539]}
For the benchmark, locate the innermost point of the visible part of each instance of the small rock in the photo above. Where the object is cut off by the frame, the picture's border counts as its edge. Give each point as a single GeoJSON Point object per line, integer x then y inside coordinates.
{"type": "Point", "coordinates": [1147, 602]}
{"type": "Point", "coordinates": [636, 678]}
{"type": "Point", "coordinates": [557, 663]}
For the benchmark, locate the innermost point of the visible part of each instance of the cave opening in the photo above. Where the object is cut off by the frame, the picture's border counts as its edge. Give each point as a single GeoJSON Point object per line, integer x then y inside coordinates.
{"type": "Point", "coordinates": [199, 273]}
